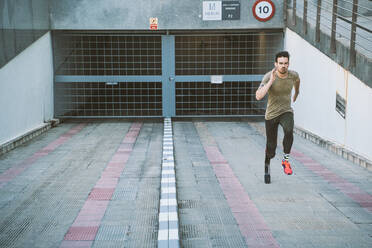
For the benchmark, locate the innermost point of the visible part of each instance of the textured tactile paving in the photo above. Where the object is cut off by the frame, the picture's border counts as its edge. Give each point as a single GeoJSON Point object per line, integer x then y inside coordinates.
{"type": "Point", "coordinates": [96, 205]}
{"type": "Point", "coordinates": [123, 194]}
{"type": "Point", "coordinates": [189, 204]}
{"type": "Point", "coordinates": [322, 205]}
{"type": "Point", "coordinates": [228, 241]}
{"type": "Point", "coordinates": [76, 244]}
{"type": "Point", "coordinates": [81, 233]}
{"type": "Point", "coordinates": [112, 233]}
{"type": "Point", "coordinates": [101, 194]}
{"type": "Point", "coordinates": [11, 173]}
{"type": "Point", "coordinates": [193, 231]}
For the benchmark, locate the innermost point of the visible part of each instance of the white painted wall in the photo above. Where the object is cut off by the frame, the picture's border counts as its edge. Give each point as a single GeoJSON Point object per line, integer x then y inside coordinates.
{"type": "Point", "coordinates": [26, 90]}
{"type": "Point", "coordinates": [315, 107]}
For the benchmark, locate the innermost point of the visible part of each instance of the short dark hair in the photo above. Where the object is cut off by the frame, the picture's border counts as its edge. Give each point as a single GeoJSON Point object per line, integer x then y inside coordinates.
{"type": "Point", "coordinates": [281, 54]}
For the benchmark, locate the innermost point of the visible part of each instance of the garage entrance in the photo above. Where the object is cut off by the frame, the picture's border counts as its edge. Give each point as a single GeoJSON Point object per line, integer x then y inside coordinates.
{"type": "Point", "coordinates": [153, 75]}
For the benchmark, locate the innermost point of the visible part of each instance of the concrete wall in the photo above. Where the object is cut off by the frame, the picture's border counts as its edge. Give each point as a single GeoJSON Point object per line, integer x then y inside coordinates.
{"type": "Point", "coordinates": [21, 23]}
{"type": "Point", "coordinates": [26, 90]}
{"type": "Point", "coordinates": [134, 15]}
{"type": "Point", "coordinates": [315, 109]}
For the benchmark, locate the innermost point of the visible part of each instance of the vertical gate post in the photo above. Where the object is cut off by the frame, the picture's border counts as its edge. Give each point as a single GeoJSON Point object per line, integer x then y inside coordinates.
{"type": "Point", "coordinates": [353, 34]}
{"type": "Point", "coordinates": [333, 30]}
{"type": "Point", "coordinates": [294, 13]}
{"type": "Point", "coordinates": [304, 23]}
{"type": "Point", "coordinates": [168, 75]}
{"type": "Point", "coordinates": [318, 14]}
{"type": "Point", "coordinates": [285, 13]}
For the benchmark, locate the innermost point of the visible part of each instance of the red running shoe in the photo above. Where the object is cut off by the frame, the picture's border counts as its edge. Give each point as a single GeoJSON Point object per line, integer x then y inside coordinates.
{"type": "Point", "coordinates": [287, 167]}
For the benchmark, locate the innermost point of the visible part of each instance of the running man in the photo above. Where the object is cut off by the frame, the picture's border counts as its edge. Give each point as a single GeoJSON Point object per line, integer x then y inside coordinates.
{"type": "Point", "coordinates": [278, 84]}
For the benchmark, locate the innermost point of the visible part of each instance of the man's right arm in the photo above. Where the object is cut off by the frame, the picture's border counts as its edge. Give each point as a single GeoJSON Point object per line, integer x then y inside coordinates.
{"type": "Point", "coordinates": [264, 88]}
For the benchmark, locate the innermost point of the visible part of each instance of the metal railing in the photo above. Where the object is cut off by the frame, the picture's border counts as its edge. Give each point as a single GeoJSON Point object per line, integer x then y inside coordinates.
{"type": "Point", "coordinates": [346, 21]}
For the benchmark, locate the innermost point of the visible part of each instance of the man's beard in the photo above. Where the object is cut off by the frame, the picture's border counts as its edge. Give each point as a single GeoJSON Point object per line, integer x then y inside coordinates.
{"type": "Point", "coordinates": [283, 71]}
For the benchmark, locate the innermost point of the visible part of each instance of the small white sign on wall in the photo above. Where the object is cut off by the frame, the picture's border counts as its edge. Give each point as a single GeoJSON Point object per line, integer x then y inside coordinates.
{"type": "Point", "coordinates": [216, 79]}
{"type": "Point", "coordinates": [212, 10]}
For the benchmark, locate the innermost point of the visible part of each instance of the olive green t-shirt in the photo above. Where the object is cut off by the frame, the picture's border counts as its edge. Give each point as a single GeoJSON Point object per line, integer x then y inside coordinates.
{"type": "Point", "coordinates": [279, 94]}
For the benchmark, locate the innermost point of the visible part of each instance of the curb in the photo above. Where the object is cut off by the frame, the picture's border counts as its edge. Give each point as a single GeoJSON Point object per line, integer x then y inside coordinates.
{"type": "Point", "coordinates": [339, 150]}
{"type": "Point", "coordinates": [14, 143]}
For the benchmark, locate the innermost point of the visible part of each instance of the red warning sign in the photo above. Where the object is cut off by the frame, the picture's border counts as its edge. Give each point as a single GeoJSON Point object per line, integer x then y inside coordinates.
{"type": "Point", "coordinates": [263, 10]}
{"type": "Point", "coordinates": [154, 23]}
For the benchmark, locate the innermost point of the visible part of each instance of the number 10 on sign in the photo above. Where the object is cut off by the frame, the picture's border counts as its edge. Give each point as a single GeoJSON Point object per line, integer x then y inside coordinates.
{"type": "Point", "coordinates": [263, 10]}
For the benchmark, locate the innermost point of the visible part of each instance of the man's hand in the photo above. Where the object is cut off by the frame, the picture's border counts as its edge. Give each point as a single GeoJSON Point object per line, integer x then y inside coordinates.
{"type": "Point", "coordinates": [273, 74]}
{"type": "Point", "coordinates": [264, 88]}
{"type": "Point", "coordinates": [297, 89]}
{"type": "Point", "coordinates": [295, 97]}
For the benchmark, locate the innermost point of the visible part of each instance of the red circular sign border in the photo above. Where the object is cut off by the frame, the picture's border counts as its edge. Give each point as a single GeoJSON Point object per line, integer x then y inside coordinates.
{"type": "Point", "coordinates": [267, 18]}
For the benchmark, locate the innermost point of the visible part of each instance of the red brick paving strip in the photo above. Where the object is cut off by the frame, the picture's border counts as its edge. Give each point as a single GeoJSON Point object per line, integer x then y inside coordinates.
{"type": "Point", "coordinates": [15, 171]}
{"type": "Point", "coordinates": [251, 223]}
{"type": "Point", "coordinates": [355, 193]}
{"type": "Point", "coordinates": [85, 227]}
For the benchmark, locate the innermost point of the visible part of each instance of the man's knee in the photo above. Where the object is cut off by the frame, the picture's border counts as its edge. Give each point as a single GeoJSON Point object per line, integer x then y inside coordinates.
{"type": "Point", "coordinates": [270, 150]}
{"type": "Point", "coordinates": [287, 122]}
{"type": "Point", "coordinates": [288, 132]}
{"type": "Point", "coordinates": [269, 156]}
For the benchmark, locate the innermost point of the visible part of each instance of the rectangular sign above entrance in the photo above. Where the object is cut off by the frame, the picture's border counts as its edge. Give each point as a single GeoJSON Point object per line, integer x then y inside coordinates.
{"type": "Point", "coordinates": [212, 11]}
{"type": "Point", "coordinates": [230, 10]}
{"type": "Point", "coordinates": [221, 10]}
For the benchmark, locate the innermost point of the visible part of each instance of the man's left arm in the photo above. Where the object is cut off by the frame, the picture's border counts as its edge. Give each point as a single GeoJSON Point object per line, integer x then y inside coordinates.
{"type": "Point", "coordinates": [297, 89]}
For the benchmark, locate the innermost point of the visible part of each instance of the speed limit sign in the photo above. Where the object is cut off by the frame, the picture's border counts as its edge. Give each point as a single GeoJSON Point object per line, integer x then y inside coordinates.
{"type": "Point", "coordinates": [263, 10]}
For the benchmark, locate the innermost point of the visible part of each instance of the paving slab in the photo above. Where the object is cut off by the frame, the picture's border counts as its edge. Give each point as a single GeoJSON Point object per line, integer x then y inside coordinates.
{"type": "Point", "coordinates": [106, 177]}
{"type": "Point", "coordinates": [302, 210]}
